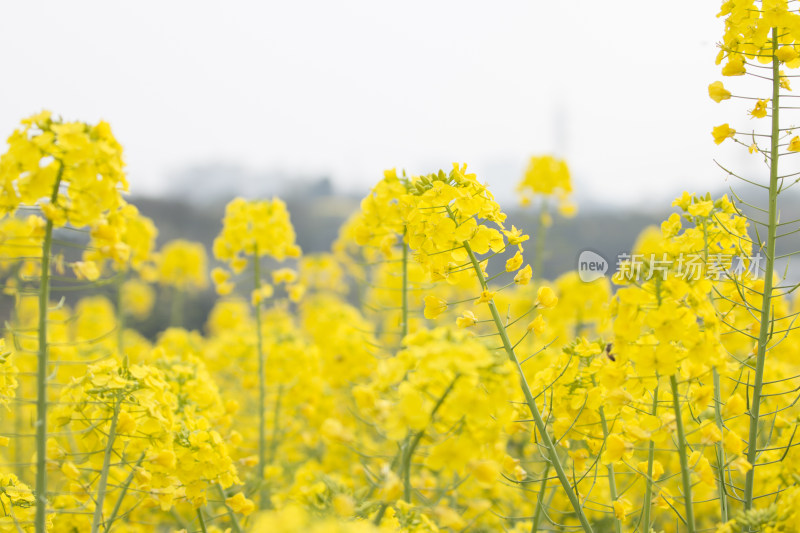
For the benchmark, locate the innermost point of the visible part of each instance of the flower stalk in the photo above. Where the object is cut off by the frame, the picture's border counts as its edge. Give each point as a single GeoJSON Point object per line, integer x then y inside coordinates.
{"type": "Point", "coordinates": [541, 236]}
{"type": "Point", "coordinates": [537, 516]}
{"type": "Point", "coordinates": [97, 519]}
{"type": "Point", "coordinates": [176, 310]}
{"type": "Point", "coordinates": [121, 323]}
{"type": "Point", "coordinates": [201, 521]}
{"type": "Point", "coordinates": [682, 455]}
{"type": "Point", "coordinates": [612, 481]}
{"type": "Point", "coordinates": [412, 446]}
{"type": "Point", "coordinates": [723, 495]}
{"type": "Point", "coordinates": [648, 490]}
{"type": "Point", "coordinates": [404, 293]}
{"type": "Point", "coordinates": [41, 373]}
{"type": "Point", "coordinates": [262, 388]}
{"type": "Point", "coordinates": [529, 399]}
{"type": "Point", "coordinates": [766, 298]}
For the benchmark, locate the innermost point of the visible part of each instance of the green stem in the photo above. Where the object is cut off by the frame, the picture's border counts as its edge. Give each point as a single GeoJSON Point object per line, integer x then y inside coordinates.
{"type": "Point", "coordinates": [22, 384]}
{"type": "Point", "coordinates": [766, 299]}
{"type": "Point", "coordinates": [723, 496]}
{"type": "Point", "coordinates": [176, 312]}
{"type": "Point", "coordinates": [406, 467]}
{"type": "Point", "coordinates": [201, 520]}
{"type": "Point", "coordinates": [262, 389]}
{"type": "Point", "coordinates": [720, 450]}
{"type": "Point", "coordinates": [412, 447]}
{"type": "Point", "coordinates": [612, 482]}
{"type": "Point", "coordinates": [379, 515]}
{"type": "Point", "coordinates": [121, 323]}
{"type": "Point", "coordinates": [404, 319]}
{"type": "Point", "coordinates": [234, 522]}
{"type": "Point", "coordinates": [537, 516]}
{"type": "Point", "coordinates": [41, 371]}
{"type": "Point", "coordinates": [685, 473]}
{"type": "Point", "coordinates": [541, 234]}
{"type": "Point", "coordinates": [97, 520]}
{"type": "Point", "coordinates": [118, 505]}
{"type": "Point", "coordinates": [537, 417]}
{"type": "Point", "coordinates": [648, 491]}
{"type": "Point", "coordinates": [276, 414]}
{"type": "Point", "coordinates": [19, 408]}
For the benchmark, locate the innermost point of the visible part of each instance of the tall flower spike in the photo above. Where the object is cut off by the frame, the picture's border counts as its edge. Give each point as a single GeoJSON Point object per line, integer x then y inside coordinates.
{"type": "Point", "coordinates": [759, 39]}
{"type": "Point", "coordinates": [73, 172]}
{"type": "Point", "coordinates": [453, 221]}
{"type": "Point", "coordinates": [253, 229]}
{"type": "Point", "coordinates": [545, 179]}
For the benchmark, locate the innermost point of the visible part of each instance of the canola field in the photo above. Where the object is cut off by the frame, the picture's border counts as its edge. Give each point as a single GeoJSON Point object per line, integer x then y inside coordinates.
{"type": "Point", "coordinates": [419, 377]}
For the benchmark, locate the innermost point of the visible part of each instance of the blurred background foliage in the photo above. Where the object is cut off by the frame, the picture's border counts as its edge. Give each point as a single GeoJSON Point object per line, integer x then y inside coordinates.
{"type": "Point", "coordinates": [318, 210]}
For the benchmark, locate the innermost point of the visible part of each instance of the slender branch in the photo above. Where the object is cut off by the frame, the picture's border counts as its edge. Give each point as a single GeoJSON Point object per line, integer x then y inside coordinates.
{"type": "Point", "coordinates": [404, 319]}
{"type": "Point", "coordinates": [648, 491]}
{"type": "Point", "coordinates": [123, 492]}
{"type": "Point", "coordinates": [201, 520]}
{"type": "Point", "coordinates": [234, 522]}
{"type": "Point", "coordinates": [412, 447]}
{"type": "Point", "coordinates": [97, 519]}
{"type": "Point", "coordinates": [262, 388]}
{"type": "Point", "coordinates": [537, 516]}
{"type": "Point", "coordinates": [541, 235]}
{"type": "Point", "coordinates": [612, 481]}
{"type": "Point", "coordinates": [176, 310]}
{"type": "Point", "coordinates": [766, 299]}
{"type": "Point", "coordinates": [41, 371]}
{"type": "Point", "coordinates": [723, 497]}
{"type": "Point", "coordinates": [537, 417]}
{"type": "Point", "coordinates": [685, 473]}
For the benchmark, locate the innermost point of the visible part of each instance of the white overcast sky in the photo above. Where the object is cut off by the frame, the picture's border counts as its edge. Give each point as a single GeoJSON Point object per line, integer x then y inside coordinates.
{"type": "Point", "coordinates": [349, 88]}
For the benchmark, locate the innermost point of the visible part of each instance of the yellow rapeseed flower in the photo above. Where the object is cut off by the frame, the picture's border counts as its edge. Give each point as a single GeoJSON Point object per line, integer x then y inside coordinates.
{"type": "Point", "coordinates": [760, 109]}
{"type": "Point", "coordinates": [718, 92]}
{"type": "Point", "coordinates": [546, 297]}
{"type": "Point", "coordinates": [466, 320]}
{"type": "Point", "coordinates": [722, 132]}
{"type": "Point", "coordinates": [523, 277]}
{"type": "Point", "coordinates": [434, 306]}
{"type": "Point", "coordinates": [240, 504]}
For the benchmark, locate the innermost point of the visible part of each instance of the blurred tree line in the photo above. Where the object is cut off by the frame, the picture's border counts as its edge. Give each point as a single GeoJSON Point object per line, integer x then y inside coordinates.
{"type": "Point", "coordinates": [318, 211]}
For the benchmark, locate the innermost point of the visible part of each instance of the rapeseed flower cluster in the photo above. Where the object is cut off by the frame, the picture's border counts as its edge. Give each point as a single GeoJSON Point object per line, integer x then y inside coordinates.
{"type": "Point", "coordinates": [46, 153]}
{"type": "Point", "coordinates": [547, 177]}
{"type": "Point", "coordinates": [253, 229]}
